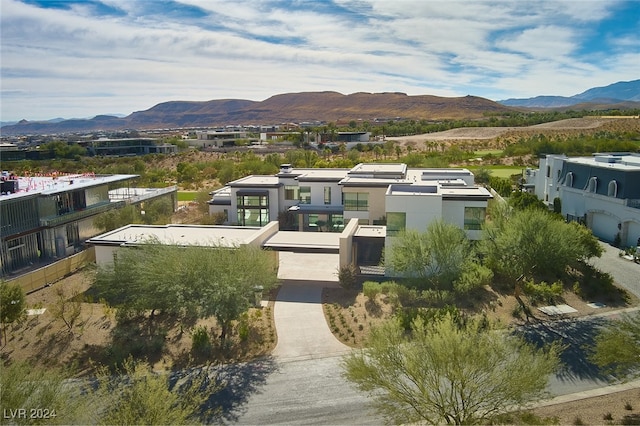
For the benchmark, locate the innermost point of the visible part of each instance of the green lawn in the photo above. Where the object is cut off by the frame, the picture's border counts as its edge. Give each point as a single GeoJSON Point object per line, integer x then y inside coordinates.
{"type": "Point", "coordinates": [187, 195]}
{"type": "Point", "coordinates": [483, 152]}
{"type": "Point", "coordinates": [501, 171]}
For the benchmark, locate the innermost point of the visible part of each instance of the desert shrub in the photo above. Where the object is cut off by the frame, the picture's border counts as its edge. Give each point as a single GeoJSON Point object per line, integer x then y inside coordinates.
{"type": "Point", "coordinates": [474, 275]}
{"type": "Point", "coordinates": [542, 292]}
{"type": "Point", "coordinates": [348, 276]}
{"type": "Point", "coordinates": [428, 315]}
{"type": "Point", "coordinates": [243, 327]}
{"type": "Point", "coordinates": [405, 296]}
{"type": "Point", "coordinates": [200, 340]}
{"type": "Point", "coordinates": [371, 289]}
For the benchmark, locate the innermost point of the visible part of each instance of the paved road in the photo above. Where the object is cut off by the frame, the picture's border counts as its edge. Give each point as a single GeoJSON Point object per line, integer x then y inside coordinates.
{"type": "Point", "coordinates": [624, 272]}
{"type": "Point", "coordinates": [308, 392]}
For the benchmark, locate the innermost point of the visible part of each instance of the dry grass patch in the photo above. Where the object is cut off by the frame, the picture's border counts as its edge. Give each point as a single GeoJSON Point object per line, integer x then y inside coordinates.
{"type": "Point", "coordinates": [96, 337]}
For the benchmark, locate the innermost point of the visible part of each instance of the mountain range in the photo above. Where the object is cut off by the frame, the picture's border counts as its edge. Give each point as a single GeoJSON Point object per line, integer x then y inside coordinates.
{"type": "Point", "coordinates": [324, 107]}
{"type": "Point", "coordinates": [617, 93]}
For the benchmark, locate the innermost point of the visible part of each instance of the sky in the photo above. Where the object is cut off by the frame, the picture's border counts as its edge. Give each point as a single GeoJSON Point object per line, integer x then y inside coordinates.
{"type": "Point", "coordinates": [78, 59]}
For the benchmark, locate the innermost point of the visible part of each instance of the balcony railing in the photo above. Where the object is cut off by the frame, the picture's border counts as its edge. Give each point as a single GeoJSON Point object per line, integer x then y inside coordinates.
{"type": "Point", "coordinates": [635, 204]}
{"type": "Point", "coordinates": [80, 214]}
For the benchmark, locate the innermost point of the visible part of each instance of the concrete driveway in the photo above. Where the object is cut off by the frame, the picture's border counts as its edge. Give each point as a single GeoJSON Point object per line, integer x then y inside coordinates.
{"type": "Point", "coordinates": [308, 266]}
{"type": "Point", "coordinates": [302, 330]}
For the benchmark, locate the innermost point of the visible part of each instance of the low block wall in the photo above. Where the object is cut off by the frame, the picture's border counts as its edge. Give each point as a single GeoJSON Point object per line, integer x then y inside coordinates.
{"type": "Point", "coordinates": [53, 272]}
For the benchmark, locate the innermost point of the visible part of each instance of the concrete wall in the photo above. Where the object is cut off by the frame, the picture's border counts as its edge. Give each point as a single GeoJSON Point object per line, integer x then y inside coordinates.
{"type": "Point", "coordinates": [346, 243]}
{"type": "Point", "coordinates": [604, 214]}
{"type": "Point", "coordinates": [53, 272]}
{"type": "Point", "coordinates": [104, 254]}
{"type": "Point", "coordinates": [266, 232]}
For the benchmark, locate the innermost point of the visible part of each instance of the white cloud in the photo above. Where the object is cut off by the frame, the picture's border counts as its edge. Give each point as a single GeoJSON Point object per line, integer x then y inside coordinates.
{"type": "Point", "coordinates": [131, 60]}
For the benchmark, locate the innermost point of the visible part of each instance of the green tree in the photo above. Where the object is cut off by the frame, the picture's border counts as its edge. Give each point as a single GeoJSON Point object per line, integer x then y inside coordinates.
{"type": "Point", "coordinates": [436, 258]}
{"type": "Point", "coordinates": [193, 281]}
{"type": "Point", "coordinates": [445, 372]}
{"type": "Point", "coordinates": [29, 387]}
{"type": "Point", "coordinates": [502, 186]}
{"type": "Point", "coordinates": [617, 346]}
{"type": "Point", "coordinates": [134, 396]}
{"type": "Point", "coordinates": [117, 218]}
{"type": "Point", "coordinates": [138, 396]}
{"type": "Point", "coordinates": [483, 175]}
{"type": "Point", "coordinates": [520, 200]}
{"type": "Point", "coordinates": [158, 211]}
{"type": "Point", "coordinates": [532, 240]}
{"type": "Point", "coordinates": [12, 305]}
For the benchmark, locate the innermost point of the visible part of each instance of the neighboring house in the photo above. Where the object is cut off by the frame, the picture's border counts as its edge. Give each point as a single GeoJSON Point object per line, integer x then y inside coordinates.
{"type": "Point", "coordinates": [45, 218]}
{"type": "Point", "coordinates": [383, 198]}
{"type": "Point", "coordinates": [602, 191]}
{"type": "Point", "coordinates": [216, 139]}
{"type": "Point", "coordinates": [128, 147]}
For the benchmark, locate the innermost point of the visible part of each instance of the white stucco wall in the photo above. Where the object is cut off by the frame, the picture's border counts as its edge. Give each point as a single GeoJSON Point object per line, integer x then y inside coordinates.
{"type": "Point", "coordinates": [317, 193]}
{"type": "Point", "coordinates": [420, 210]}
{"type": "Point", "coordinates": [603, 214]}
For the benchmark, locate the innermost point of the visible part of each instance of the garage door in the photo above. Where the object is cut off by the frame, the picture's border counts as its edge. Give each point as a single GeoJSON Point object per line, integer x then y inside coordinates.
{"type": "Point", "coordinates": [308, 266]}
{"type": "Point", "coordinates": [604, 226]}
{"type": "Point", "coordinates": [633, 233]}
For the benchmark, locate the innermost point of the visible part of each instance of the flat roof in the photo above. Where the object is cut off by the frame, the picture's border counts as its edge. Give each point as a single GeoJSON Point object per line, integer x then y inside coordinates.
{"type": "Point", "coordinates": [370, 181]}
{"type": "Point", "coordinates": [257, 180]}
{"type": "Point", "coordinates": [194, 235]}
{"type": "Point", "coordinates": [371, 231]}
{"type": "Point", "coordinates": [323, 175]}
{"type": "Point", "coordinates": [55, 184]}
{"type": "Point", "coordinates": [465, 193]}
{"type": "Point", "coordinates": [621, 162]}
{"type": "Point", "coordinates": [304, 240]}
{"type": "Point", "coordinates": [400, 189]}
{"type": "Point", "coordinates": [379, 168]}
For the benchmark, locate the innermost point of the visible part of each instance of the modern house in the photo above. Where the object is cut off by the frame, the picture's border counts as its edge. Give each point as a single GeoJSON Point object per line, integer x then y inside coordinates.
{"type": "Point", "coordinates": [46, 218]}
{"type": "Point", "coordinates": [383, 199]}
{"type": "Point", "coordinates": [217, 139]}
{"type": "Point", "coordinates": [601, 191]}
{"type": "Point", "coordinates": [128, 147]}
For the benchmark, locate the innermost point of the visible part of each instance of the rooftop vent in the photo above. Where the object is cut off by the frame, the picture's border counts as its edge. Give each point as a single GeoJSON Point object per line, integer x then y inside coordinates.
{"type": "Point", "coordinates": [607, 159]}
{"type": "Point", "coordinates": [285, 168]}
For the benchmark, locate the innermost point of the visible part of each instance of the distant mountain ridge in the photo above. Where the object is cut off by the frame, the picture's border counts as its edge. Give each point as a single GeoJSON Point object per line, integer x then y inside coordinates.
{"type": "Point", "coordinates": [283, 108]}
{"type": "Point", "coordinates": [325, 106]}
{"type": "Point", "coordinates": [616, 93]}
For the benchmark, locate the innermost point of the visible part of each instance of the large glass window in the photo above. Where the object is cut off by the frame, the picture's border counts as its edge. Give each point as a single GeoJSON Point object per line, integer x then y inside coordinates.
{"type": "Point", "coordinates": [253, 210]}
{"type": "Point", "coordinates": [291, 193]}
{"type": "Point", "coordinates": [474, 217]}
{"type": "Point", "coordinates": [355, 201]}
{"type": "Point", "coordinates": [305, 195]}
{"type": "Point", "coordinates": [396, 222]}
{"type": "Point", "coordinates": [327, 195]}
{"type": "Point", "coordinates": [612, 190]}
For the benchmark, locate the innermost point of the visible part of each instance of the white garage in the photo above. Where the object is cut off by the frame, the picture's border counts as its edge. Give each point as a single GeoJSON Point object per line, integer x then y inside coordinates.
{"type": "Point", "coordinates": [604, 226]}
{"type": "Point", "coordinates": [633, 234]}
